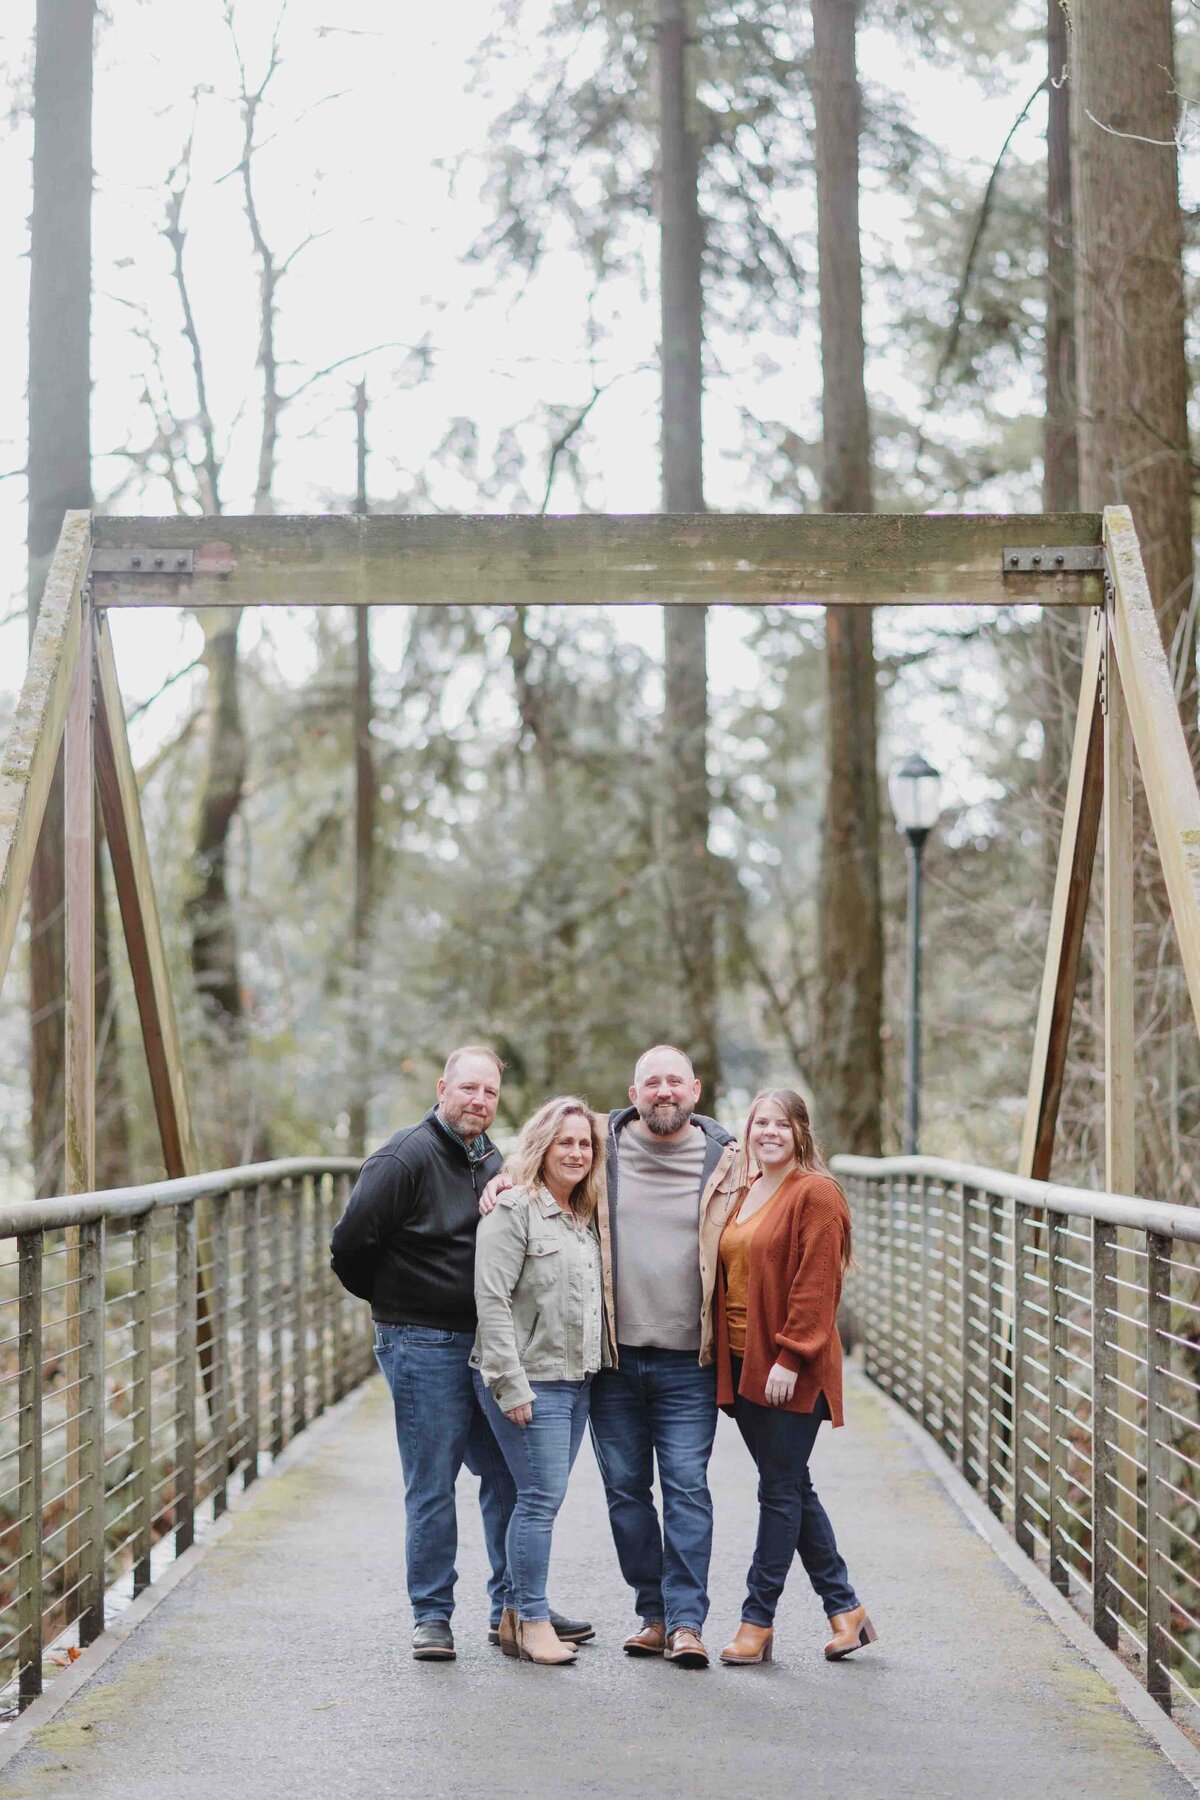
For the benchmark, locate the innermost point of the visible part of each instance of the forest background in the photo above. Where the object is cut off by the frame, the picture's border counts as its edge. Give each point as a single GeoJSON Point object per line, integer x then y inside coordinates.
{"type": "Point", "coordinates": [465, 247]}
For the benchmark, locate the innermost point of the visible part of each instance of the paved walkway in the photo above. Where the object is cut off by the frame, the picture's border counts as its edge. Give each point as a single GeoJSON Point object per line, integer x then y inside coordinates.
{"type": "Point", "coordinates": [279, 1668]}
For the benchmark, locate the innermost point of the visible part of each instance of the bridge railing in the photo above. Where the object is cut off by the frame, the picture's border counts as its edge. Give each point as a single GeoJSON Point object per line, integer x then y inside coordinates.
{"type": "Point", "coordinates": [157, 1343]}
{"type": "Point", "coordinates": [1049, 1339]}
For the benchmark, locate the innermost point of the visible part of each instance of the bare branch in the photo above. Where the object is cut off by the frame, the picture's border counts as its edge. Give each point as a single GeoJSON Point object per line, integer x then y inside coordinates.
{"type": "Point", "coordinates": [950, 348]}
{"type": "Point", "coordinates": [144, 705]}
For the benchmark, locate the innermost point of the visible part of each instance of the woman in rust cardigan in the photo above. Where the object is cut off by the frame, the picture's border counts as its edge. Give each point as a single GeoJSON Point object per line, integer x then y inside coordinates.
{"type": "Point", "coordinates": [779, 1365]}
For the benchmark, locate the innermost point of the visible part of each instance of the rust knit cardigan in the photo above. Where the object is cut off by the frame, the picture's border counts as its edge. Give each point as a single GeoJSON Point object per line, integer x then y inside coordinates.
{"type": "Point", "coordinates": [794, 1284]}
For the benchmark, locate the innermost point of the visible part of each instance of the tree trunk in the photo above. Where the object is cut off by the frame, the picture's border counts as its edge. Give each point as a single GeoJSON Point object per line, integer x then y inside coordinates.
{"type": "Point", "coordinates": [1133, 378]}
{"type": "Point", "coordinates": [1133, 431]}
{"type": "Point", "coordinates": [210, 915]}
{"type": "Point", "coordinates": [1060, 631]}
{"type": "Point", "coordinates": [685, 735]}
{"type": "Point", "coordinates": [847, 1069]}
{"type": "Point", "coordinates": [59, 476]}
{"type": "Point", "coordinates": [364, 830]}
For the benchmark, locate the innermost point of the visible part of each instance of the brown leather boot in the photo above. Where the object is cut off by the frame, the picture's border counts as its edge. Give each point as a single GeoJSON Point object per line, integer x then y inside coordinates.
{"type": "Point", "coordinates": [650, 1639]}
{"type": "Point", "coordinates": [507, 1638]}
{"type": "Point", "coordinates": [851, 1631]}
{"type": "Point", "coordinates": [684, 1647]}
{"type": "Point", "coordinates": [751, 1645]}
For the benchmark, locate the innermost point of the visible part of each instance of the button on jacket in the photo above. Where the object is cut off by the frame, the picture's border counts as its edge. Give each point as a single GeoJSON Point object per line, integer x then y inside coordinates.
{"type": "Point", "coordinates": [539, 1294]}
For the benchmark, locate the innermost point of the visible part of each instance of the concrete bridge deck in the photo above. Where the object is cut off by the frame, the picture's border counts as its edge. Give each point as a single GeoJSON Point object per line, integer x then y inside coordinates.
{"type": "Point", "coordinates": [279, 1667]}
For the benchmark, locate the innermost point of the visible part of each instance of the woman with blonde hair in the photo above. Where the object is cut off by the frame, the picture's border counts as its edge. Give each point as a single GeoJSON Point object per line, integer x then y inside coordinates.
{"type": "Point", "coordinates": [783, 1252]}
{"type": "Point", "coordinates": [544, 1331]}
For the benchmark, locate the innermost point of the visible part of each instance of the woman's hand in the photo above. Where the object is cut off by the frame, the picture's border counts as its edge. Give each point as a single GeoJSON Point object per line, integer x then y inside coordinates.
{"type": "Point", "coordinates": [781, 1385]}
{"type": "Point", "coordinates": [498, 1185]}
{"type": "Point", "coordinates": [521, 1415]}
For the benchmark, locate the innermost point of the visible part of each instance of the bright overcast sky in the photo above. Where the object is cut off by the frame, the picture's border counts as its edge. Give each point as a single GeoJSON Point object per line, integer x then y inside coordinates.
{"type": "Point", "coordinates": [371, 120]}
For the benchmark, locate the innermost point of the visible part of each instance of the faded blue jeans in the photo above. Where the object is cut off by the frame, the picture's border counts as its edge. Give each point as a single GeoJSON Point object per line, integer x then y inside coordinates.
{"type": "Point", "coordinates": [540, 1457]}
{"type": "Point", "coordinates": [659, 1404]}
{"type": "Point", "coordinates": [439, 1427]}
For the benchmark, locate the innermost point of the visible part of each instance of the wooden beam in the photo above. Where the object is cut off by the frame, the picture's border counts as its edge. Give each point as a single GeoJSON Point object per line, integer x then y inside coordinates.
{"type": "Point", "coordinates": [1119, 1075]}
{"type": "Point", "coordinates": [130, 857]}
{"type": "Point", "coordinates": [31, 750]}
{"type": "Point", "coordinates": [1158, 738]}
{"type": "Point", "coordinates": [79, 887]}
{"type": "Point", "coordinates": [1068, 911]}
{"type": "Point", "coordinates": [589, 560]}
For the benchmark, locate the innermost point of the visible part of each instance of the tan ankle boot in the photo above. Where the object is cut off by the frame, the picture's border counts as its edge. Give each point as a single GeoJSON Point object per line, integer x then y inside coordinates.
{"type": "Point", "coordinates": [751, 1645]}
{"type": "Point", "coordinates": [508, 1632]}
{"type": "Point", "coordinates": [851, 1631]}
{"type": "Point", "coordinates": [538, 1642]}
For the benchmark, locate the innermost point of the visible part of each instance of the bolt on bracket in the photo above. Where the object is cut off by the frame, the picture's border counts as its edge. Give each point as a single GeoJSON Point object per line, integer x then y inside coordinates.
{"type": "Point", "coordinates": [142, 559]}
{"type": "Point", "coordinates": [1053, 559]}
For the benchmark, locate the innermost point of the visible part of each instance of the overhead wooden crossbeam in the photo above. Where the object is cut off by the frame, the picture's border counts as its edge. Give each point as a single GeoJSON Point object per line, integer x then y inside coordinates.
{"type": "Point", "coordinates": [1068, 912]}
{"type": "Point", "coordinates": [590, 560]}
{"type": "Point", "coordinates": [31, 749]}
{"type": "Point", "coordinates": [129, 854]}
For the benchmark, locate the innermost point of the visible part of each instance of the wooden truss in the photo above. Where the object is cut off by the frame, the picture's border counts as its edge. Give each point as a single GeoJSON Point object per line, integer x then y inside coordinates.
{"type": "Point", "coordinates": [71, 695]}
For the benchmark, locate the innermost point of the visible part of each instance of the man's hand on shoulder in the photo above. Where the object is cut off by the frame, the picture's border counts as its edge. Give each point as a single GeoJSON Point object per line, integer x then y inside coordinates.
{"type": "Point", "coordinates": [499, 1184]}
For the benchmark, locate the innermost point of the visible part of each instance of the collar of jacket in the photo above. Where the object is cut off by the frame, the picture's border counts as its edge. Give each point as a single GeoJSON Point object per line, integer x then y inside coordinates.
{"type": "Point", "coordinates": [547, 1204]}
{"type": "Point", "coordinates": [477, 1151]}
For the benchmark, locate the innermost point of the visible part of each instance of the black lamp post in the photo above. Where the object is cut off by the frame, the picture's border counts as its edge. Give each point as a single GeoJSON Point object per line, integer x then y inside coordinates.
{"type": "Point", "coordinates": [915, 789]}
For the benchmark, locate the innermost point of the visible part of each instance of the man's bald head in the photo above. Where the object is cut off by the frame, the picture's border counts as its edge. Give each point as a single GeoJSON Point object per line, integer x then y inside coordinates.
{"type": "Point", "coordinates": [663, 1050]}
{"type": "Point", "coordinates": [665, 1091]}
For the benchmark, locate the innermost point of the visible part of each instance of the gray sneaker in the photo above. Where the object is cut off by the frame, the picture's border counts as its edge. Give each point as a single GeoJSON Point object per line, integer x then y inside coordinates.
{"type": "Point", "coordinates": [433, 1641]}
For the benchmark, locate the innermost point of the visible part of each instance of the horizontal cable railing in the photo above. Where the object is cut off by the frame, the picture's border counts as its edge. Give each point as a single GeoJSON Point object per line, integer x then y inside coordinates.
{"type": "Point", "coordinates": [1049, 1339]}
{"type": "Point", "coordinates": [157, 1344]}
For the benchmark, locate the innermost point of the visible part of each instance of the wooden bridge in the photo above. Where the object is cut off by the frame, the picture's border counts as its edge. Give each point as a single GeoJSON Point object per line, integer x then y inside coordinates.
{"type": "Point", "coordinates": [165, 1344]}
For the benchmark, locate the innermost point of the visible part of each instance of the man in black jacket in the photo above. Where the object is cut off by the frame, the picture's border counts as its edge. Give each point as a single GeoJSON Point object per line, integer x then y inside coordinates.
{"type": "Point", "coordinates": [406, 1243]}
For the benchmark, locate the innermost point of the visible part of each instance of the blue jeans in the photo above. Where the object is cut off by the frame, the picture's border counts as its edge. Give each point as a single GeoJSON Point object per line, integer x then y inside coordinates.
{"type": "Point", "coordinates": [540, 1457]}
{"type": "Point", "coordinates": [791, 1519]}
{"type": "Point", "coordinates": [439, 1427]}
{"type": "Point", "coordinates": [659, 1403]}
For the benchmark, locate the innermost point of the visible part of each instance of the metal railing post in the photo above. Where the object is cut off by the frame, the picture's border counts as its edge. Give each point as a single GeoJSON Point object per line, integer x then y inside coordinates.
{"type": "Point", "coordinates": [251, 1374]}
{"type": "Point", "coordinates": [965, 1207]}
{"type": "Point", "coordinates": [1020, 1351]}
{"type": "Point", "coordinates": [219, 1384]}
{"type": "Point", "coordinates": [301, 1192]}
{"type": "Point", "coordinates": [993, 1423]}
{"type": "Point", "coordinates": [1057, 1442]}
{"type": "Point", "coordinates": [186, 1352]}
{"type": "Point", "coordinates": [1104, 1453]}
{"type": "Point", "coordinates": [143, 1462]}
{"type": "Point", "coordinates": [320, 1288]}
{"type": "Point", "coordinates": [1158, 1426]}
{"type": "Point", "coordinates": [92, 1417]}
{"type": "Point", "coordinates": [29, 1467]}
{"type": "Point", "coordinates": [278, 1422]}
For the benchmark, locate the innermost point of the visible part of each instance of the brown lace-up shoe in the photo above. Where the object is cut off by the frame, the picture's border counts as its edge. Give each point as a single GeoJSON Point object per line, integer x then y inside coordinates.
{"type": "Point", "coordinates": [851, 1631]}
{"type": "Point", "coordinates": [684, 1647]}
{"type": "Point", "coordinates": [649, 1640]}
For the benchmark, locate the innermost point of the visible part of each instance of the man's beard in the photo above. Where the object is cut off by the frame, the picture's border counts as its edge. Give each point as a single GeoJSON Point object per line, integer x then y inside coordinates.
{"type": "Point", "coordinates": [665, 1117]}
{"type": "Point", "coordinates": [468, 1129]}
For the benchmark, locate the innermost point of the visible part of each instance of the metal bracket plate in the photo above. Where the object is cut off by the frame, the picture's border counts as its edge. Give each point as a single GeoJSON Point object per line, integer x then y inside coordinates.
{"type": "Point", "coordinates": [142, 559]}
{"type": "Point", "coordinates": [1054, 559]}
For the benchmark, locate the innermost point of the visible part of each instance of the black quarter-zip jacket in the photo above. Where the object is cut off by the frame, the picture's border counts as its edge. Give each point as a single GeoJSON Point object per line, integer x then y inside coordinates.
{"type": "Point", "coordinates": [406, 1241]}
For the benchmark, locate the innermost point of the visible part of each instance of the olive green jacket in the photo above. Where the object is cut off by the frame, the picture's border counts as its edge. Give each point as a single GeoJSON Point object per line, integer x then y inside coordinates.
{"type": "Point", "coordinates": [531, 1299]}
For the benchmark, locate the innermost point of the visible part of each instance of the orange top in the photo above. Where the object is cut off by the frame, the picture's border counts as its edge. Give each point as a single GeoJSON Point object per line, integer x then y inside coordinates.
{"type": "Point", "coordinates": [735, 1263]}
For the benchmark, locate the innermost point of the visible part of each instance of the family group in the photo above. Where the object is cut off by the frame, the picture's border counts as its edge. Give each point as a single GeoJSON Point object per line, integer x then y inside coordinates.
{"type": "Point", "coordinates": [634, 1273]}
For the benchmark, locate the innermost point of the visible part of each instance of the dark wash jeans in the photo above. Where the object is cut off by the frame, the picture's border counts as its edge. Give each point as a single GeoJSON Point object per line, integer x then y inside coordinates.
{"type": "Point", "coordinates": [659, 1403]}
{"type": "Point", "coordinates": [540, 1457]}
{"type": "Point", "coordinates": [439, 1427]}
{"type": "Point", "coordinates": [791, 1519]}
